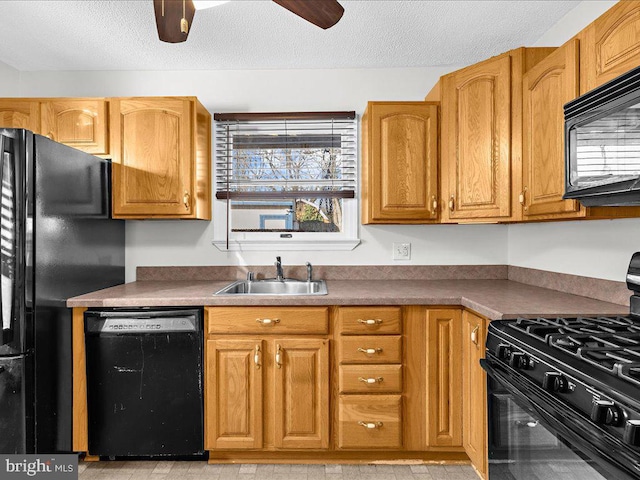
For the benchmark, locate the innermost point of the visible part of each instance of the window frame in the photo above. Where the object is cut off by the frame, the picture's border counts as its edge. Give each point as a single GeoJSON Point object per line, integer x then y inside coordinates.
{"type": "Point", "coordinates": [225, 239]}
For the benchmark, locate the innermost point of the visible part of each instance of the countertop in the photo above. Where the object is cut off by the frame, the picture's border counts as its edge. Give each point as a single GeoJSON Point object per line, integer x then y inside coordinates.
{"type": "Point", "coordinates": [495, 299]}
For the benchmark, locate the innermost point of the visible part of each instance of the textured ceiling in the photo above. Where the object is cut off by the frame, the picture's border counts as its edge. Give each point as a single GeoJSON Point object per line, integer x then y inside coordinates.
{"type": "Point", "coordinates": [243, 34]}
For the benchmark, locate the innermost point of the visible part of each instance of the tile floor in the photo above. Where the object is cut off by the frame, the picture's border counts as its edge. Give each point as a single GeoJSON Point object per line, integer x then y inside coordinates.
{"type": "Point", "coordinates": [151, 470]}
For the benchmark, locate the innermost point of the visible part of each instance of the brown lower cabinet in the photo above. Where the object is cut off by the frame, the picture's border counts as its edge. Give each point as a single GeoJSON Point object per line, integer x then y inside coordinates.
{"type": "Point", "coordinates": [474, 391]}
{"type": "Point", "coordinates": [340, 383]}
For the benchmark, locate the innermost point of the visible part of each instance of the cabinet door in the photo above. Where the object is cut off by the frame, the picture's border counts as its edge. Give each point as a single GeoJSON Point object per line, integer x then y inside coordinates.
{"type": "Point", "coordinates": [547, 87]}
{"type": "Point", "coordinates": [233, 393]}
{"type": "Point", "coordinates": [402, 157]}
{"type": "Point", "coordinates": [444, 397]}
{"type": "Point", "coordinates": [81, 124]}
{"type": "Point", "coordinates": [476, 141]}
{"type": "Point", "coordinates": [20, 113]}
{"type": "Point", "coordinates": [612, 44]}
{"type": "Point", "coordinates": [152, 145]}
{"type": "Point", "coordinates": [474, 394]}
{"type": "Point", "coordinates": [301, 394]}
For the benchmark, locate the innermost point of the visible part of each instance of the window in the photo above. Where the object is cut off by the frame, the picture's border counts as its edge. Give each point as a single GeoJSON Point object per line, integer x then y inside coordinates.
{"type": "Point", "coordinates": [285, 180]}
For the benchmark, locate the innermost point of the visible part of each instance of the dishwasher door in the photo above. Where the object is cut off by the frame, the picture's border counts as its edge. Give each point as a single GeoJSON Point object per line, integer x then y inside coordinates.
{"type": "Point", "coordinates": [144, 382]}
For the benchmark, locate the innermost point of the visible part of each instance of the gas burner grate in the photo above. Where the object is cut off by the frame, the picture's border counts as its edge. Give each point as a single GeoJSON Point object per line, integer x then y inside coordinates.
{"type": "Point", "coordinates": [609, 343]}
{"type": "Point", "coordinates": [546, 328]}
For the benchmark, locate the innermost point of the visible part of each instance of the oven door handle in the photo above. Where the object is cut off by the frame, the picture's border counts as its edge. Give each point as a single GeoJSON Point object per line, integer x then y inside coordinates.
{"type": "Point", "coordinates": [601, 446]}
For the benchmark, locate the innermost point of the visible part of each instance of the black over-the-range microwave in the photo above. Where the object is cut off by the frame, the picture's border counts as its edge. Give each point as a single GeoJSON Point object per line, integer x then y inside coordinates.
{"type": "Point", "coordinates": [602, 144]}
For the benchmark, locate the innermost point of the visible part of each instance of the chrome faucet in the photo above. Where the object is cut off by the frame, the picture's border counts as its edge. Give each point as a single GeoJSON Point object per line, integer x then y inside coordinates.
{"type": "Point", "coordinates": [279, 272]}
{"type": "Point", "coordinates": [309, 272]}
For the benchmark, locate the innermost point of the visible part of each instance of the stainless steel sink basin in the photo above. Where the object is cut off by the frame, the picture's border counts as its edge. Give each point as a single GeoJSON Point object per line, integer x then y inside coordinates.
{"type": "Point", "coordinates": [275, 287]}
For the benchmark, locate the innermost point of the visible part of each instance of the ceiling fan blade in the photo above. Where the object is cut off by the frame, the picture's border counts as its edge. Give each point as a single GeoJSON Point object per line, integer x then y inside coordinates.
{"type": "Point", "coordinates": [169, 24]}
{"type": "Point", "coordinates": [323, 13]}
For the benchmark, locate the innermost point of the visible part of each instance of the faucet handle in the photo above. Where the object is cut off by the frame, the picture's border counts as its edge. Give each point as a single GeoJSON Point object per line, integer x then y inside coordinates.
{"type": "Point", "coordinates": [250, 276]}
{"type": "Point", "coordinates": [309, 272]}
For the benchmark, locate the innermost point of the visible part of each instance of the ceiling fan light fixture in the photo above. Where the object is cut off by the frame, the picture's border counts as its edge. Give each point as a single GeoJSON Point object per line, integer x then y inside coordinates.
{"type": "Point", "coordinates": [202, 4]}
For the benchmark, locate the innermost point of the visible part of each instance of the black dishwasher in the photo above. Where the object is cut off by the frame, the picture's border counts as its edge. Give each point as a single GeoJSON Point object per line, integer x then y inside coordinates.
{"type": "Point", "coordinates": [144, 382]}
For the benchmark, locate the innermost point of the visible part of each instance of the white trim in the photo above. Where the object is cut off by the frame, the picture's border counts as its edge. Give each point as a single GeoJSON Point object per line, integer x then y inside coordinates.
{"type": "Point", "coordinates": [293, 245]}
{"type": "Point", "coordinates": [345, 240]}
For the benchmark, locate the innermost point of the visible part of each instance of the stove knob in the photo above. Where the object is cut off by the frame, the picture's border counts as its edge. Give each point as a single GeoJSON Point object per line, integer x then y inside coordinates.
{"type": "Point", "coordinates": [519, 361]}
{"type": "Point", "coordinates": [503, 351]}
{"type": "Point", "coordinates": [605, 412]}
{"type": "Point", "coordinates": [555, 382]}
{"type": "Point", "coordinates": [632, 433]}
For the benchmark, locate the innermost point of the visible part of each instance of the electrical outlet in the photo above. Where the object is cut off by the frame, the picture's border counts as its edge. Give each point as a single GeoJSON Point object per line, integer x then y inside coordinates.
{"type": "Point", "coordinates": [401, 251]}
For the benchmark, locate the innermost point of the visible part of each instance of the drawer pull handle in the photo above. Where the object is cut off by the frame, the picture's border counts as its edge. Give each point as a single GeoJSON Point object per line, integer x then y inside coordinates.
{"type": "Point", "coordinates": [371, 424]}
{"type": "Point", "coordinates": [256, 357]}
{"type": "Point", "coordinates": [474, 335]}
{"type": "Point", "coordinates": [370, 381]}
{"type": "Point", "coordinates": [278, 356]}
{"type": "Point", "coordinates": [434, 205]}
{"type": "Point", "coordinates": [370, 351]}
{"type": "Point", "coordinates": [370, 321]}
{"type": "Point", "coordinates": [267, 321]}
{"type": "Point", "coordinates": [186, 200]}
{"type": "Point", "coordinates": [452, 203]}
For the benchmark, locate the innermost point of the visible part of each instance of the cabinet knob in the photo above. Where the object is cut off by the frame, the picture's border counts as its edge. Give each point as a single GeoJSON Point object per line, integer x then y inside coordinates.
{"type": "Point", "coordinates": [278, 356]}
{"type": "Point", "coordinates": [187, 200]}
{"type": "Point", "coordinates": [434, 205]}
{"type": "Point", "coordinates": [370, 351]}
{"type": "Point", "coordinates": [267, 321]}
{"type": "Point", "coordinates": [371, 424]}
{"type": "Point", "coordinates": [256, 356]}
{"type": "Point", "coordinates": [522, 196]}
{"type": "Point", "coordinates": [370, 321]}
{"type": "Point", "coordinates": [50, 136]}
{"type": "Point", "coordinates": [452, 203]}
{"type": "Point", "coordinates": [370, 381]}
{"type": "Point", "coordinates": [474, 335]}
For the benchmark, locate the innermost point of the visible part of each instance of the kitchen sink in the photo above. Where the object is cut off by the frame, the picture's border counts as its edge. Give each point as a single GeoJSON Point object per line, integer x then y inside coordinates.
{"type": "Point", "coordinates": [275, 287]}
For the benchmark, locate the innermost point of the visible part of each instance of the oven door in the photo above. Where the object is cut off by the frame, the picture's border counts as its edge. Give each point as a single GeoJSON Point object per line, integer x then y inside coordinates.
{"type": "Point", "coordinates": [534, 436]}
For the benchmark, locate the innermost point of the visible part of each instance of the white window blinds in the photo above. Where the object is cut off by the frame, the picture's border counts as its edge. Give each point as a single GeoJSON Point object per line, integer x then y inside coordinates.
{"type": "Point", "coordinates": [285, 155]}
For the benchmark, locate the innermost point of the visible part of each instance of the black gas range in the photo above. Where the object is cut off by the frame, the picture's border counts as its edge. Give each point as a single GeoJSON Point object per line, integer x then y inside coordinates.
{"type": "Point", "coordinates": [564, 395]}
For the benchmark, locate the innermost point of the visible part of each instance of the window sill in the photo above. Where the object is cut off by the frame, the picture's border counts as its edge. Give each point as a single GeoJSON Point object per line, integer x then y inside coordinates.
{"type": "Point", "coordinates": [294, 245]}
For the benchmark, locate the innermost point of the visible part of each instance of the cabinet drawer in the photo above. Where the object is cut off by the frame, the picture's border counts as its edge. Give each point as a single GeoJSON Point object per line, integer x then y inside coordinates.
{"type": "Point", "coordinates": [369, 320]}
{"type": "Point", "coordinates": [370, 378]}
{"type": "Point", "coordinates": [370, 421]}
{"type": "Point", "coordinates": [266, 320]}
{"type": "Point", "coordinates": [370, 349]}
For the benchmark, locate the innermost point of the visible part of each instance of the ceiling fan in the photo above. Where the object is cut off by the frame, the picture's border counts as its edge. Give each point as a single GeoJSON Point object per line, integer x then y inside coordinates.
{"type": "Point", "coordinates": [174, 17]}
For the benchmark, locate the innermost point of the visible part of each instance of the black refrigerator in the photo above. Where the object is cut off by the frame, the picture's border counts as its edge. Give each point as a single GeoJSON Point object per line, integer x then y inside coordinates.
{"type": "Point", "coordinates": [57, 240]}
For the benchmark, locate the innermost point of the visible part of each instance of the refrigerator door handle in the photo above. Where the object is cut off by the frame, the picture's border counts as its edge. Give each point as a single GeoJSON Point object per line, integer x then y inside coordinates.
{"type": "Point", "coordinates": [5, 333]}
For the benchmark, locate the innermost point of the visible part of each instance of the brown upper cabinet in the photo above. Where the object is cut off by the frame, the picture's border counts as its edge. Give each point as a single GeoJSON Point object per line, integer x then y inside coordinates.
{"type": "Point", "coordinates": [81, 123]}
{"type": "Point", "coordinates": [20, 113]}
{"type": "Point", "coordinates": [547, 87]}
{"type": "Point", "coordinates": [610, 45]}
{"type": "Point", "coordinates": [77, 122]}
{"type": "Point", "coordinates": [482, 137]}
{"type": "Point", "coordinates": [400, 162]}
{"type": "Point", "coordinates": [161, 148]}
